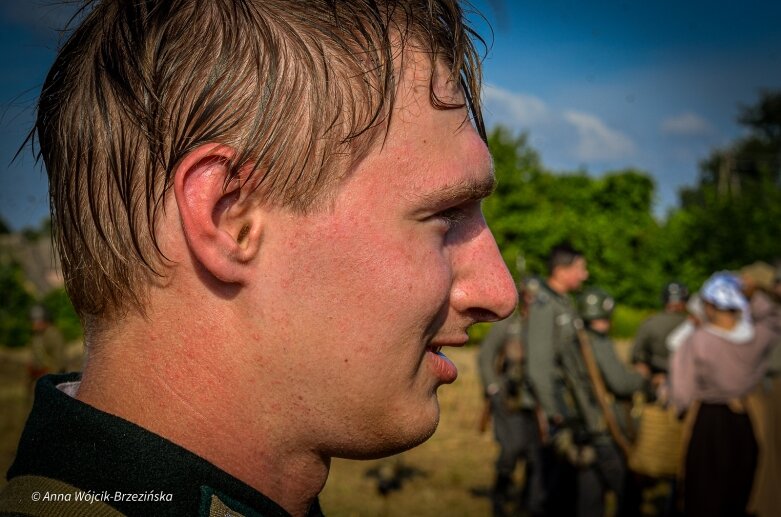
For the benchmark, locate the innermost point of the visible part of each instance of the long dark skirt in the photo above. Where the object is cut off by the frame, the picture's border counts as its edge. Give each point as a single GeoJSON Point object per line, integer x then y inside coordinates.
{"type": "Point", "coordinates": [720, 463]}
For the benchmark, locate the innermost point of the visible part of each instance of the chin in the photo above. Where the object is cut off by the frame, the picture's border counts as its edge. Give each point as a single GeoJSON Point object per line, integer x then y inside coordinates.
{"type": "Point", "coordinates": [397, 435]}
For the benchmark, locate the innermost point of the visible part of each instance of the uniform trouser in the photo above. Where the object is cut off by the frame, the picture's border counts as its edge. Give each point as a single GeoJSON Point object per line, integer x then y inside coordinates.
{"type": "Point", "coordinates": [607, 474]}
{"type": "Point", "coordinates": [581, 490]}
{"type": "Point", "coordinates": [518, 437]}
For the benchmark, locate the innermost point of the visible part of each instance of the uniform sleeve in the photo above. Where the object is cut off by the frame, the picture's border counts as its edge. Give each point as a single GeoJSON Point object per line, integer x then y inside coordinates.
{"type": "Point", "coordinates": [619, 379]}
{"type": "Point", "coordinates": [682, 375]}
{"type": "Point", "coordinates": [641, 349]}
{"type": "Point", "coordinates": [489, 351]}
{"type": "Point", "coordinates": [540, 353]}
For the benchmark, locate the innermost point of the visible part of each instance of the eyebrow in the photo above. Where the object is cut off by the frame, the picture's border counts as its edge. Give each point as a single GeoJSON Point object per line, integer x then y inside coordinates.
{"type": "Point", "coordinates": [472, 190]}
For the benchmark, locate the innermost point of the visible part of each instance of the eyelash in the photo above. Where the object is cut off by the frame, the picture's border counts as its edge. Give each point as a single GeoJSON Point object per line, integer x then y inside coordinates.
{"type": "Point", "coordinates": [452, 216]}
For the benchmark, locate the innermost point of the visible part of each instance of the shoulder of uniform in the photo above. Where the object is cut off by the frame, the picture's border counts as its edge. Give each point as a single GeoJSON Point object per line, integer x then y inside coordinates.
{"type": "Point", "coordinates": [542, 298]}
{"type": "Point", "coordinates": [646, 323]}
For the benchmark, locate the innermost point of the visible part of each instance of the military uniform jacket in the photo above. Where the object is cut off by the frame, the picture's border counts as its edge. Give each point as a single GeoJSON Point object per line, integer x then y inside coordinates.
{"type": "Point", "coordinates": [551, 351]}
{"type": "Point", "coordinates": [128, 470]}
{"type": "Point", "coordinates": [500, 364]}
{"type": "Point", "coordinates": [558, 372]}
{"type": "Point", "coordinates": [582, 409]}
{"type": "Point", "coordinates": [620, 381]}
{"type": "Point", "coordinates": [650, 346]}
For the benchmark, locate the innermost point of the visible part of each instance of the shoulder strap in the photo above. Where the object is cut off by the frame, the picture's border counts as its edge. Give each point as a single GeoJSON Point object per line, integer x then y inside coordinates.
{"type": "Point", "coordinates": [600, 390]}
{"type": "Point", "coordinates": [39, 496]}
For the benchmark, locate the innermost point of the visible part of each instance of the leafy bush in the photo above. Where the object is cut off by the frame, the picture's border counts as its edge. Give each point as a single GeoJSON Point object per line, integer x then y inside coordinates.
{"type": "Point", "coordinates": [59, 306]}
{"type": "Point", "coordinates": [478, 332]}
{"type": "Point", "coordinates": [15, 328]}
{"type": "Point", "coordinates": [626, 320]}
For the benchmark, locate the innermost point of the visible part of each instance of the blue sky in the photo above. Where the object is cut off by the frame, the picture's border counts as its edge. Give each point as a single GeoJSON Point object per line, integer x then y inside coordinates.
{"type": "Point", "coordinates": [599, 85]}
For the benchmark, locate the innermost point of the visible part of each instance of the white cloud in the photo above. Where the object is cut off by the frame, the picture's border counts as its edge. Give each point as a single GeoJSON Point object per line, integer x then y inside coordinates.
{"type": "Point", "coordinates": [517, 108]}
{"type": "Point", "coordinates": [597, 141]}
{"type": "Point", "coordinates": [556, 133]}
{"type": "Point", "coordinates": [686, 124]}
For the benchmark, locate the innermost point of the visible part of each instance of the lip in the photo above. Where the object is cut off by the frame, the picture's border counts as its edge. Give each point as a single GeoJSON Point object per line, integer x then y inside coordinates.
{"type": "Point", "coordinates": [443, 368]}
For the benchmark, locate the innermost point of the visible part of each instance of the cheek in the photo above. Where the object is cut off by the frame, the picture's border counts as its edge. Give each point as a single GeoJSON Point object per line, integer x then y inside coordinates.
{"type": "Point", "coordinates": [385, 289]}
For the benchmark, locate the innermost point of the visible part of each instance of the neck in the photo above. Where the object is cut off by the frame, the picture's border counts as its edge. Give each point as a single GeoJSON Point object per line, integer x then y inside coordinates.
{"type": "Point", "coordinates": [675, 307]}
{"type": "Point", "coordinates": [724, 320]}
{"type": "Point", "coordinates": [557, 285]}
{"type": "Point", "coordinates": [173, 384]}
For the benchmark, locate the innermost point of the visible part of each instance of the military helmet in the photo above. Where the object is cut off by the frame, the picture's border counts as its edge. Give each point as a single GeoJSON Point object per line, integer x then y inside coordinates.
{"type": "Point", "coordinates": [675, 292]}
{"type": "Point", "coordinates": [595, 304]}
{"type": "Point", "coordinates": [531, 284]}
{"type": "Point", "coordinates": [39, 313]}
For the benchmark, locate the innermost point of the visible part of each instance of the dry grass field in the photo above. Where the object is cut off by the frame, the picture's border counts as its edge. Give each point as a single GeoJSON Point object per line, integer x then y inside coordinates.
{"type": "Point", "coordinates": [15, 402]}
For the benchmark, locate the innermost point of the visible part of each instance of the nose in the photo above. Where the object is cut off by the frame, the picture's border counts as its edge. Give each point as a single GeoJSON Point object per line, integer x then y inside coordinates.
{"type": "Point", "coordinates": [483, 287]}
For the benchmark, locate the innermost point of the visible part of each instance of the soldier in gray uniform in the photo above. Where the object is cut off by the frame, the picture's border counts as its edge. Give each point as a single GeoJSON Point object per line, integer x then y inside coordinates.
{"type": "Point", "coordinates": [500, 362]}
{"type": "Point", "coordinates": [650, 353]}
{"type": "Point", "coordinates": [650, 357]}
{"type": "Point", "coordinates": [550, 336]}
{"type": "Point", "coordinates": [608, 470]}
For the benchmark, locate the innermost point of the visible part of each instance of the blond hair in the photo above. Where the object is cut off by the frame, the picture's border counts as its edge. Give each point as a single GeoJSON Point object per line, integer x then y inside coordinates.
{"type": "Point", "coordinates": [293, 86]}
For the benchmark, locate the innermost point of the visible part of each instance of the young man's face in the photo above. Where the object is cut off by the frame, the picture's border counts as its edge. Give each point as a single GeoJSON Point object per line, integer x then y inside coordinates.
{"type": "Point", "coordinates": [360, 295]}
{"type": "Point", "coordinates": [575, 274]}
{"type": "Point", "coordinates": [601, 325]}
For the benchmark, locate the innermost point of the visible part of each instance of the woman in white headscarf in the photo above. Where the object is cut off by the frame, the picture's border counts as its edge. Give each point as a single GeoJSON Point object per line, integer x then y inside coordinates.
{"type": "Point", "coordinates": [713, 371]}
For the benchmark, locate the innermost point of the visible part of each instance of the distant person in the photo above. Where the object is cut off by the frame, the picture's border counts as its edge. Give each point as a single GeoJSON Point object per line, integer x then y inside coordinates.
{"type": "Point", "coordinates": [650, 353]}
{"type": "Point", "coordinates": [760, 284]}
{"type": "Point", "coordinates": [650, 357]}
{"type": "Point", "coordinates": [269, 219]}
{"type": "Point", "coordinates": [713, 373]}
{"type": "Point", "coordinates": [47, 345]}
{"type": "Point", "coordinates": [776, 289]}
{"type": "Point", "coordinates": [608, 472]}
{"type": "Point", "coordinates": [550, 346]}
{"type": "Point", "coordinates": [516, 428]}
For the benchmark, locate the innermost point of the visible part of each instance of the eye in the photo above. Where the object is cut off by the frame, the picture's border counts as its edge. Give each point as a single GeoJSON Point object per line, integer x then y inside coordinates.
{"type": "Point", "coordinates": [458, 215]}
{"type": "Point", "coordinates": [452, 216]}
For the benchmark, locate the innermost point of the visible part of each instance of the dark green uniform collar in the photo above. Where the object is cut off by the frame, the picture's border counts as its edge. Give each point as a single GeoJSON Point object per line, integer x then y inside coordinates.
{"type": "Point", "coordinates": [73, 442]}
{"type": "Point", "coordinates": [550, 291]}
{"type": "Point", "coordinates": [592, 332]}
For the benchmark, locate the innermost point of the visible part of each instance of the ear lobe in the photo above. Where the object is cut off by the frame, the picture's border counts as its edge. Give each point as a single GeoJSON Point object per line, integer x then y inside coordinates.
{"type": "Point", "coordinates": [222, 229]}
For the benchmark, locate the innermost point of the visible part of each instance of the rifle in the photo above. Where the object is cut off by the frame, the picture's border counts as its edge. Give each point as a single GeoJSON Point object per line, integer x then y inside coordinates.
{"type": "Point", "coordinates": [598, 383]}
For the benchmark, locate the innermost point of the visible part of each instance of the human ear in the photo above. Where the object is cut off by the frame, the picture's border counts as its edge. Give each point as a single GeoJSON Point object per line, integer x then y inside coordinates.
{"type": "Point", "coordinates": [221, 224]}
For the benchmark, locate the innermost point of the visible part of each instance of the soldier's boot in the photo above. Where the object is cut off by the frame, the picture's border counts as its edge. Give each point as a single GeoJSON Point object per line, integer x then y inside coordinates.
{"type": "Point", "coordinates": [500, 494]}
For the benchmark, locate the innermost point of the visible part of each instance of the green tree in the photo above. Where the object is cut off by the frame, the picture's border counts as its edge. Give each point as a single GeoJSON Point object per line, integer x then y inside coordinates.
{"type": "Point", "coordinates": [43, 231]}
{"type": "Point", "coordinates": [60, 308]}
{"type": "Point", "coordinates": [732, 216]}
{"type": "Point", "coordinates": [15, 328]}
{"type": "Point", "coordinates": [609, 218]}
